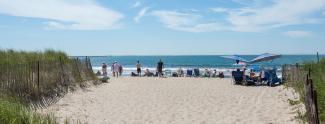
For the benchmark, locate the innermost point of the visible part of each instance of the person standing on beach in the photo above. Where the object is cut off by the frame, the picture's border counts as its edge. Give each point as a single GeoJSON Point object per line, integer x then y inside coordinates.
{"type": "Point", "coordinates": [104, 69]}
{"type": "Point", "coordinates": [120, 69]}
{"type": "Point", "coordinates": [112, 69]}
{"type": "Point", "coordinates": [138, 68]}
{"type": "Point", "coordinates": [116, 67]}
{"type": "Point", "coordinates": [160, 66]}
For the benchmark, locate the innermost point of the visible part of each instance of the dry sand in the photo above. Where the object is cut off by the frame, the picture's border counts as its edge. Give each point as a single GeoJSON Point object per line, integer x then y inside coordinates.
{"type": "Point", "coordinates": [130, 100]}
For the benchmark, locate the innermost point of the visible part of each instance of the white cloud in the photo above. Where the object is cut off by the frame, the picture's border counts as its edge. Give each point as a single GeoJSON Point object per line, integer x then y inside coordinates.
{"type": "Point", "coordinates": [219, 10]}
{"type": "Point", "coordinates": [64, 14]}
{"type": "Point", "coordinates": [185, 21]}
{"type": "Point", "coordinates": [244, 1]}
{"type": "Point", "coordinates": [258, 16]}
{"type": "Point", "coordinates": [194, 10]}
{"type": "Point", "coordinates": [280, 13]}
{"type": "Point", "coordinates": [141, 13]}
{"type": "Point", "coordinates": [136, 4]}
{"type": "Point", "coordinates": [298, 34]}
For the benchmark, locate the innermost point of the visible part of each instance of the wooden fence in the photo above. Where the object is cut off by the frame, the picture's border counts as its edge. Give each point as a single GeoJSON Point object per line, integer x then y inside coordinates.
{"type": "Point", "coordinates": [41, 83]}
{"type": "Point", "coordinates": [298, 78]}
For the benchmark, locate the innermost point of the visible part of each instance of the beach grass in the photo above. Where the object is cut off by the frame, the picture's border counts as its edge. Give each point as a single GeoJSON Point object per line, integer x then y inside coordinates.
{"type": "Point", "coordinates": [18, 57]}
{"type": "Point", "coordinates": [32, 75]}
{"type": "Point", "coordinates": [13, 112]}
{"type": "Point", "coordinates": [318, 76]}
{"type": "Point", "coordinates": [296, 79]}
{"type": "Point", "coordinates": [29, 80]}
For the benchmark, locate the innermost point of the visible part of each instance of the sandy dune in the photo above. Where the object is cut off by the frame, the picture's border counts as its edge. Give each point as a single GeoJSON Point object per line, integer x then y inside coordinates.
{"type": "Point", "coordinates": [129, 100]}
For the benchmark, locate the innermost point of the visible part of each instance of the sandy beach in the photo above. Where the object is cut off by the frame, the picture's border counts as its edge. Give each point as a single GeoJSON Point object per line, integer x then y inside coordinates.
{"type": "Point", "coordinates": [130, 100]}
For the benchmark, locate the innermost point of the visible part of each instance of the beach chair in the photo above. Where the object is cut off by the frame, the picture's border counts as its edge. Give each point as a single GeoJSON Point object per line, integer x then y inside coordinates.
{"type": "Point", "coordinates": [189, 73]}
{"type": "Point", "coordinates": [196, 72]}
{"type": "Point", "coordinates": [249, 81]}
{"type": "Point", "coordinates": [266, 76]}
{"type": "Point", "coordinates": [168, 73]}
{"type": "Point", "coordinates": [272, 78]}
{"type": "Point", "coordinates": [238, 77]}
{"type": "Point", "coordinates": [174, 74]}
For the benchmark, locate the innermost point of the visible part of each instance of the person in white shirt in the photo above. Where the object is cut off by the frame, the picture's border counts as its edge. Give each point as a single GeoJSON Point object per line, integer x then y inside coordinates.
{"type": "Point", "coordinates": [115, 69]}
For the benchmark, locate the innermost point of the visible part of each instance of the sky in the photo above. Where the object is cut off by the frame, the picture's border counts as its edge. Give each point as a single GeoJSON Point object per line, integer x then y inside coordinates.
{"type": "Point", "coordinates": [164, 27]}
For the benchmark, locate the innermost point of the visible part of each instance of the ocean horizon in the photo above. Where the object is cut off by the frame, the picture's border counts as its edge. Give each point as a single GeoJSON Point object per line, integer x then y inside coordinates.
{"type": "Point", "coordinates": [174, 62]}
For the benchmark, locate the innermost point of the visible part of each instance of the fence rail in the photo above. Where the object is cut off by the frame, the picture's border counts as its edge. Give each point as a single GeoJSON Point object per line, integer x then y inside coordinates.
{"type": "Point", "coordinates": [300, 79]}
{"type": "Point", "coordinates": [41, 83]}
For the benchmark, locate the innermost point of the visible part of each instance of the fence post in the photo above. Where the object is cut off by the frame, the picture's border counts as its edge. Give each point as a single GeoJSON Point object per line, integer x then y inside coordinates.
{"type": "Point", "coordinates": [307, 97]}
{"type": "Point", "coordinates": [316, 107]}
{"type": "Point", "coordinates": [317, 57]}
{"type": "Point", "coordinates": [89, 63]}
{"type": "Point", "coordinates": [296, 73]}
{"type": "Point", "coordinates": [63, 82]}
{"type": "Point", "coordinates": [38, 79]}
{"type": "Point", "coordinates": [283, 77]}
{"type": "Point", "coordinates": [77, 67]}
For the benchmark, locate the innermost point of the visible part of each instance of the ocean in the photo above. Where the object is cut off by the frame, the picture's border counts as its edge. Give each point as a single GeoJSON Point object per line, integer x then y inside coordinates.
{"type": "Point", "coordinates": [202, 62]}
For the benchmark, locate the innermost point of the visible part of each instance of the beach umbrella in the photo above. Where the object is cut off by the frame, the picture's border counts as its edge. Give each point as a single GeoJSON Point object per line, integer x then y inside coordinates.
{"type": "Point", "coordinates": [265, 57]}
{"type": "Point", "coordinates": [255, 68]}
{"type": "Point", "coordinates": [236, 58]}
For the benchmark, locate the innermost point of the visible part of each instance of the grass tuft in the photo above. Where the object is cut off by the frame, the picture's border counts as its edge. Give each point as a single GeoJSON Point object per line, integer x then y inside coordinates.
{"type": "Point", "coordinates": [12, 112]}
{"type": "Point", "coordinates": [37, 79]}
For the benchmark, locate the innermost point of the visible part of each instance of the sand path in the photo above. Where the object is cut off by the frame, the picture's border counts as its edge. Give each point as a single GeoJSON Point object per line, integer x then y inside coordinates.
{"type": "Point", "coordinates": [176, 101]}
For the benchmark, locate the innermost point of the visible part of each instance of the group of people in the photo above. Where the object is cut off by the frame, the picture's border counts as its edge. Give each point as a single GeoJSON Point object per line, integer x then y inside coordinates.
{"type": "Point", "coordinates": [256, 77]}
{"type": "Point", "coordinates": [213, 73]}
{"type": "Point", "coordinates": [252, 74]}
{"type": "Point", "coordinates": [117, 69]}
{"type": "Point", "coordinates": [147, 72]}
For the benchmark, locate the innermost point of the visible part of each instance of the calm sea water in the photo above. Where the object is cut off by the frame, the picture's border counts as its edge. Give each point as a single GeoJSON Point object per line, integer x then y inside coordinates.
{"type": "Point", "coordinates": [205, 61]}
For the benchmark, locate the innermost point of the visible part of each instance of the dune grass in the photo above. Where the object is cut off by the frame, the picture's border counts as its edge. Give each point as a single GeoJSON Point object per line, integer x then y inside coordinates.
{"type": "Point", "coordinates": [318, 76]}
{"type": "Point", "coordinates": [13, 112]}
{"type": "Point", "coordinates": [295, 77]}
{"type": "Point", "coordinates": [29, 79]}
{"type": "Point", "coordinates": [32, 75]}
{"type": "Point", "coordinates": [19, 57]}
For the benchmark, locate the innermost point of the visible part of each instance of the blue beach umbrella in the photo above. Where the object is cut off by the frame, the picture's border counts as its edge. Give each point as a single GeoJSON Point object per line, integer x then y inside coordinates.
{"type": "Point", "coordinates": [255, 68]}
{"type": "Point", "coordinates": [265, 57]}
{"type": "Point", "coordinates": [236, 58]}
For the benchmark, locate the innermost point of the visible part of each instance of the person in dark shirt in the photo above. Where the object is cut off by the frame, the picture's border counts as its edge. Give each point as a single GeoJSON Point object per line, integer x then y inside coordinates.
{"type": "Point", "coordinates": [160, 66]}
{"type": "Point", "coordinates": [138, 68]}
{"type": "Point", "coordinates": [120, 70]}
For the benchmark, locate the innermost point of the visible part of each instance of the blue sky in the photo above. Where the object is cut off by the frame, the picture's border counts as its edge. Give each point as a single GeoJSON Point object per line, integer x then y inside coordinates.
{"type": "Point", "coordinates": [164, 27]}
